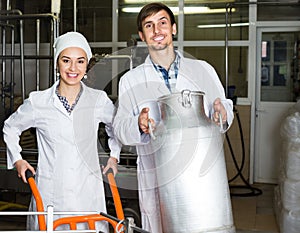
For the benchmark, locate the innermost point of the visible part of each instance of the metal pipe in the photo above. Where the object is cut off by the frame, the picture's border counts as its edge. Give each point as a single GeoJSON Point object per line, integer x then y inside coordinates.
{"type": "Point", "coordinates": [6, 25]}
{"type": "Point", "coordinates": [226, 52]}
{"type": "Point", "coordinates": [12, 79]}
{"type": "Point", "coordinates": [37, 53]}
{"type": "Point", "coordinates": [26, 57]}
{"type": "Point", "coordinates": [14, 11]}
{"type": "Point", "coordinates": [27, 16]}
{"type": "Point", "coordinates": [110, 56]}
{"type": "Point", "coordinates": [52, 76]}
{"type": "Point", "coordinates": [3, 63]}
{"type": "Point", "coordinates": [8, 5]}
{"type": "Point", "coordinates": [22, 61]}
{"type": "Point", "coordinates": [75, 15]}
{"type": "Point", "coordinates": [54, 35]}
{"type": "Point", "coordinates": [55, 6]}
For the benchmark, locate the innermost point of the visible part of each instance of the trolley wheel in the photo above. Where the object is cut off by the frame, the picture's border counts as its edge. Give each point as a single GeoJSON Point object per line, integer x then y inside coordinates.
{"type": "Point", "coordinates": [129, 212]}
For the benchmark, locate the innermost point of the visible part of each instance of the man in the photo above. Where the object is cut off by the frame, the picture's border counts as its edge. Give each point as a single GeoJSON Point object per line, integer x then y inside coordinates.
{"type": "Point", "coordinates": [144, 84]}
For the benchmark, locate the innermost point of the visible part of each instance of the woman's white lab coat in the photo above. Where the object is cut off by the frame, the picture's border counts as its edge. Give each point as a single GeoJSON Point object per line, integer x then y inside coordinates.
{"type": "Point", "coordinates": [68, 172]}
{"type": "Point", "coordinates": [142, 85]}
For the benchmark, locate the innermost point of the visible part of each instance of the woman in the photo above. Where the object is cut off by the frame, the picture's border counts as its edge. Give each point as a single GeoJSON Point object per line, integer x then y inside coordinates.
{"type": "Point", "coordinates": [66, 117]}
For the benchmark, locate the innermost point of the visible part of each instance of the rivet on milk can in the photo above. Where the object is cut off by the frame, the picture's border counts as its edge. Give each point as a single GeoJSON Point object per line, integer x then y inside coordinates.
{"type": "Point", "coordinates": [192, 181]}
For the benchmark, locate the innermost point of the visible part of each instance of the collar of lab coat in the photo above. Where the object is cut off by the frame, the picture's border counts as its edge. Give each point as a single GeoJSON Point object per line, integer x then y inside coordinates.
{"type": "Point", "coordinates": [56, 102]}
{"type": "Point", "coordinates": [152, 76]}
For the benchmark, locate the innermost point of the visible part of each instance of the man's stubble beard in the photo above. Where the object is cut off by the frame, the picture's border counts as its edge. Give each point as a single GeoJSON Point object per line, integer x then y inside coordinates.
{"type": "Point", "coordinates": [157, 47]}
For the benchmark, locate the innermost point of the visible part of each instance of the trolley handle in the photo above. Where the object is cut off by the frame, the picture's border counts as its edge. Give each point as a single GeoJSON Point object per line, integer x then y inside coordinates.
{"type": "Point", "coordinates": [115, 194]}
{"type": "Point", "coordinates": [110, 171]}
{"type": "Point", "coordinates": [38, 199]}
{"type": "Point", "coordinates": [28, 174]}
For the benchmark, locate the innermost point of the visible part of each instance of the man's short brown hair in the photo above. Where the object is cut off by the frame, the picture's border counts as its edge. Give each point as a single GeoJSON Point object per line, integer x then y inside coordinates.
{"type": "Point", "coordinates": [150, 9]}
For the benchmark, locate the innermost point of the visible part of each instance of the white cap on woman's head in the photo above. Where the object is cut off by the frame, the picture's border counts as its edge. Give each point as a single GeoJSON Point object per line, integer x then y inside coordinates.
{"type": "Point", "coordinates": [71, 39]}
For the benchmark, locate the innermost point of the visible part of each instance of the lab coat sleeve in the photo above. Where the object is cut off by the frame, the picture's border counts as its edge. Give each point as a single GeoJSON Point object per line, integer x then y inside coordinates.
{"type": "Point", "coordinates": [18, 122]}
{"type": "Point", "coordinates": [218, 92]}
{"type": "Point", "coordinates": [107, 113]}
{"type": "Point", "coordinates": [125, 124]}
{"type": "Point", "coordinates": [228, 105]}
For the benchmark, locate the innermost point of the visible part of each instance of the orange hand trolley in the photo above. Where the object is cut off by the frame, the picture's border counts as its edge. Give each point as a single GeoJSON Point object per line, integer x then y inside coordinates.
{"type": "Point", "coordinates": [119, 223]}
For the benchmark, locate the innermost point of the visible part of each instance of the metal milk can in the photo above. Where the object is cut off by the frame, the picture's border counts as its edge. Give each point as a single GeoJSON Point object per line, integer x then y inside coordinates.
{"type": "Point", "coordinates": [190, 165]}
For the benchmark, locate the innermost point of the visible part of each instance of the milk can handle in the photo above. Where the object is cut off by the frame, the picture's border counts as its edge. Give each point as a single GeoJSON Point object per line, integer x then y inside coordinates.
{"type": "Point", "coordinates": [186, 98]}
{"type": "Point", "coordinates": [221, 122]}
{"type": "Point", "coordinates": [151, 130]}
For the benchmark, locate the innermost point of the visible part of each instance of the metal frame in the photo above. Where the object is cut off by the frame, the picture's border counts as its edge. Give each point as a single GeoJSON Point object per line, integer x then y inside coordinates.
{"type": "Point", "coordinates": [11, 15]}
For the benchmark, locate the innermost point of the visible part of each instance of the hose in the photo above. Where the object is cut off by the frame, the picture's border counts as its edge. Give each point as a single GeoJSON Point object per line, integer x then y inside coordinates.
{"type": "Point", "coordinates": [252, 190]}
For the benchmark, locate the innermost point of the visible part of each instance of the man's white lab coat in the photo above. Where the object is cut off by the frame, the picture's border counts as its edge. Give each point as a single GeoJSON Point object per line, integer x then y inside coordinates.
{"type": "Point", "coordinates": [68, 173]}
{"type": "Point", "coordinates": [142, 85]}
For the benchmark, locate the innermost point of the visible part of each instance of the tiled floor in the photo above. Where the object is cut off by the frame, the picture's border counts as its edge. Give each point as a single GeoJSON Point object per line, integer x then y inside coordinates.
{"type": "Point", "coordinates": [255, 214]}
{"type": "Point", "coordinates": [252, 214]}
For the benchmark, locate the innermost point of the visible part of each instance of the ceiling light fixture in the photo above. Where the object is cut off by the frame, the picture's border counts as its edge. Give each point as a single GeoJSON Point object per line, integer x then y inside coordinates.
{"type": "Point", "coordinates": [187, 10]}
{"type": "Point", "coordinates": [176, 1]}
{"type": "Point", "coordinates": [223, 25]}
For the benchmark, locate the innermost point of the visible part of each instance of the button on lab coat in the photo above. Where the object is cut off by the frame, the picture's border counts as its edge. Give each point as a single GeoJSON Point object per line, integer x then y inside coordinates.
{"type": "Point", "coordinates": [68, 173]}
{"type": "Point", "coordinates": [143, 85]}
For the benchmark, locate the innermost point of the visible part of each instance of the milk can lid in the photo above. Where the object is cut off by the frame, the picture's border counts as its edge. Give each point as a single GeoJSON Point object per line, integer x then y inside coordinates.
{"type": "Point", "coordinates": [181, 93]}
